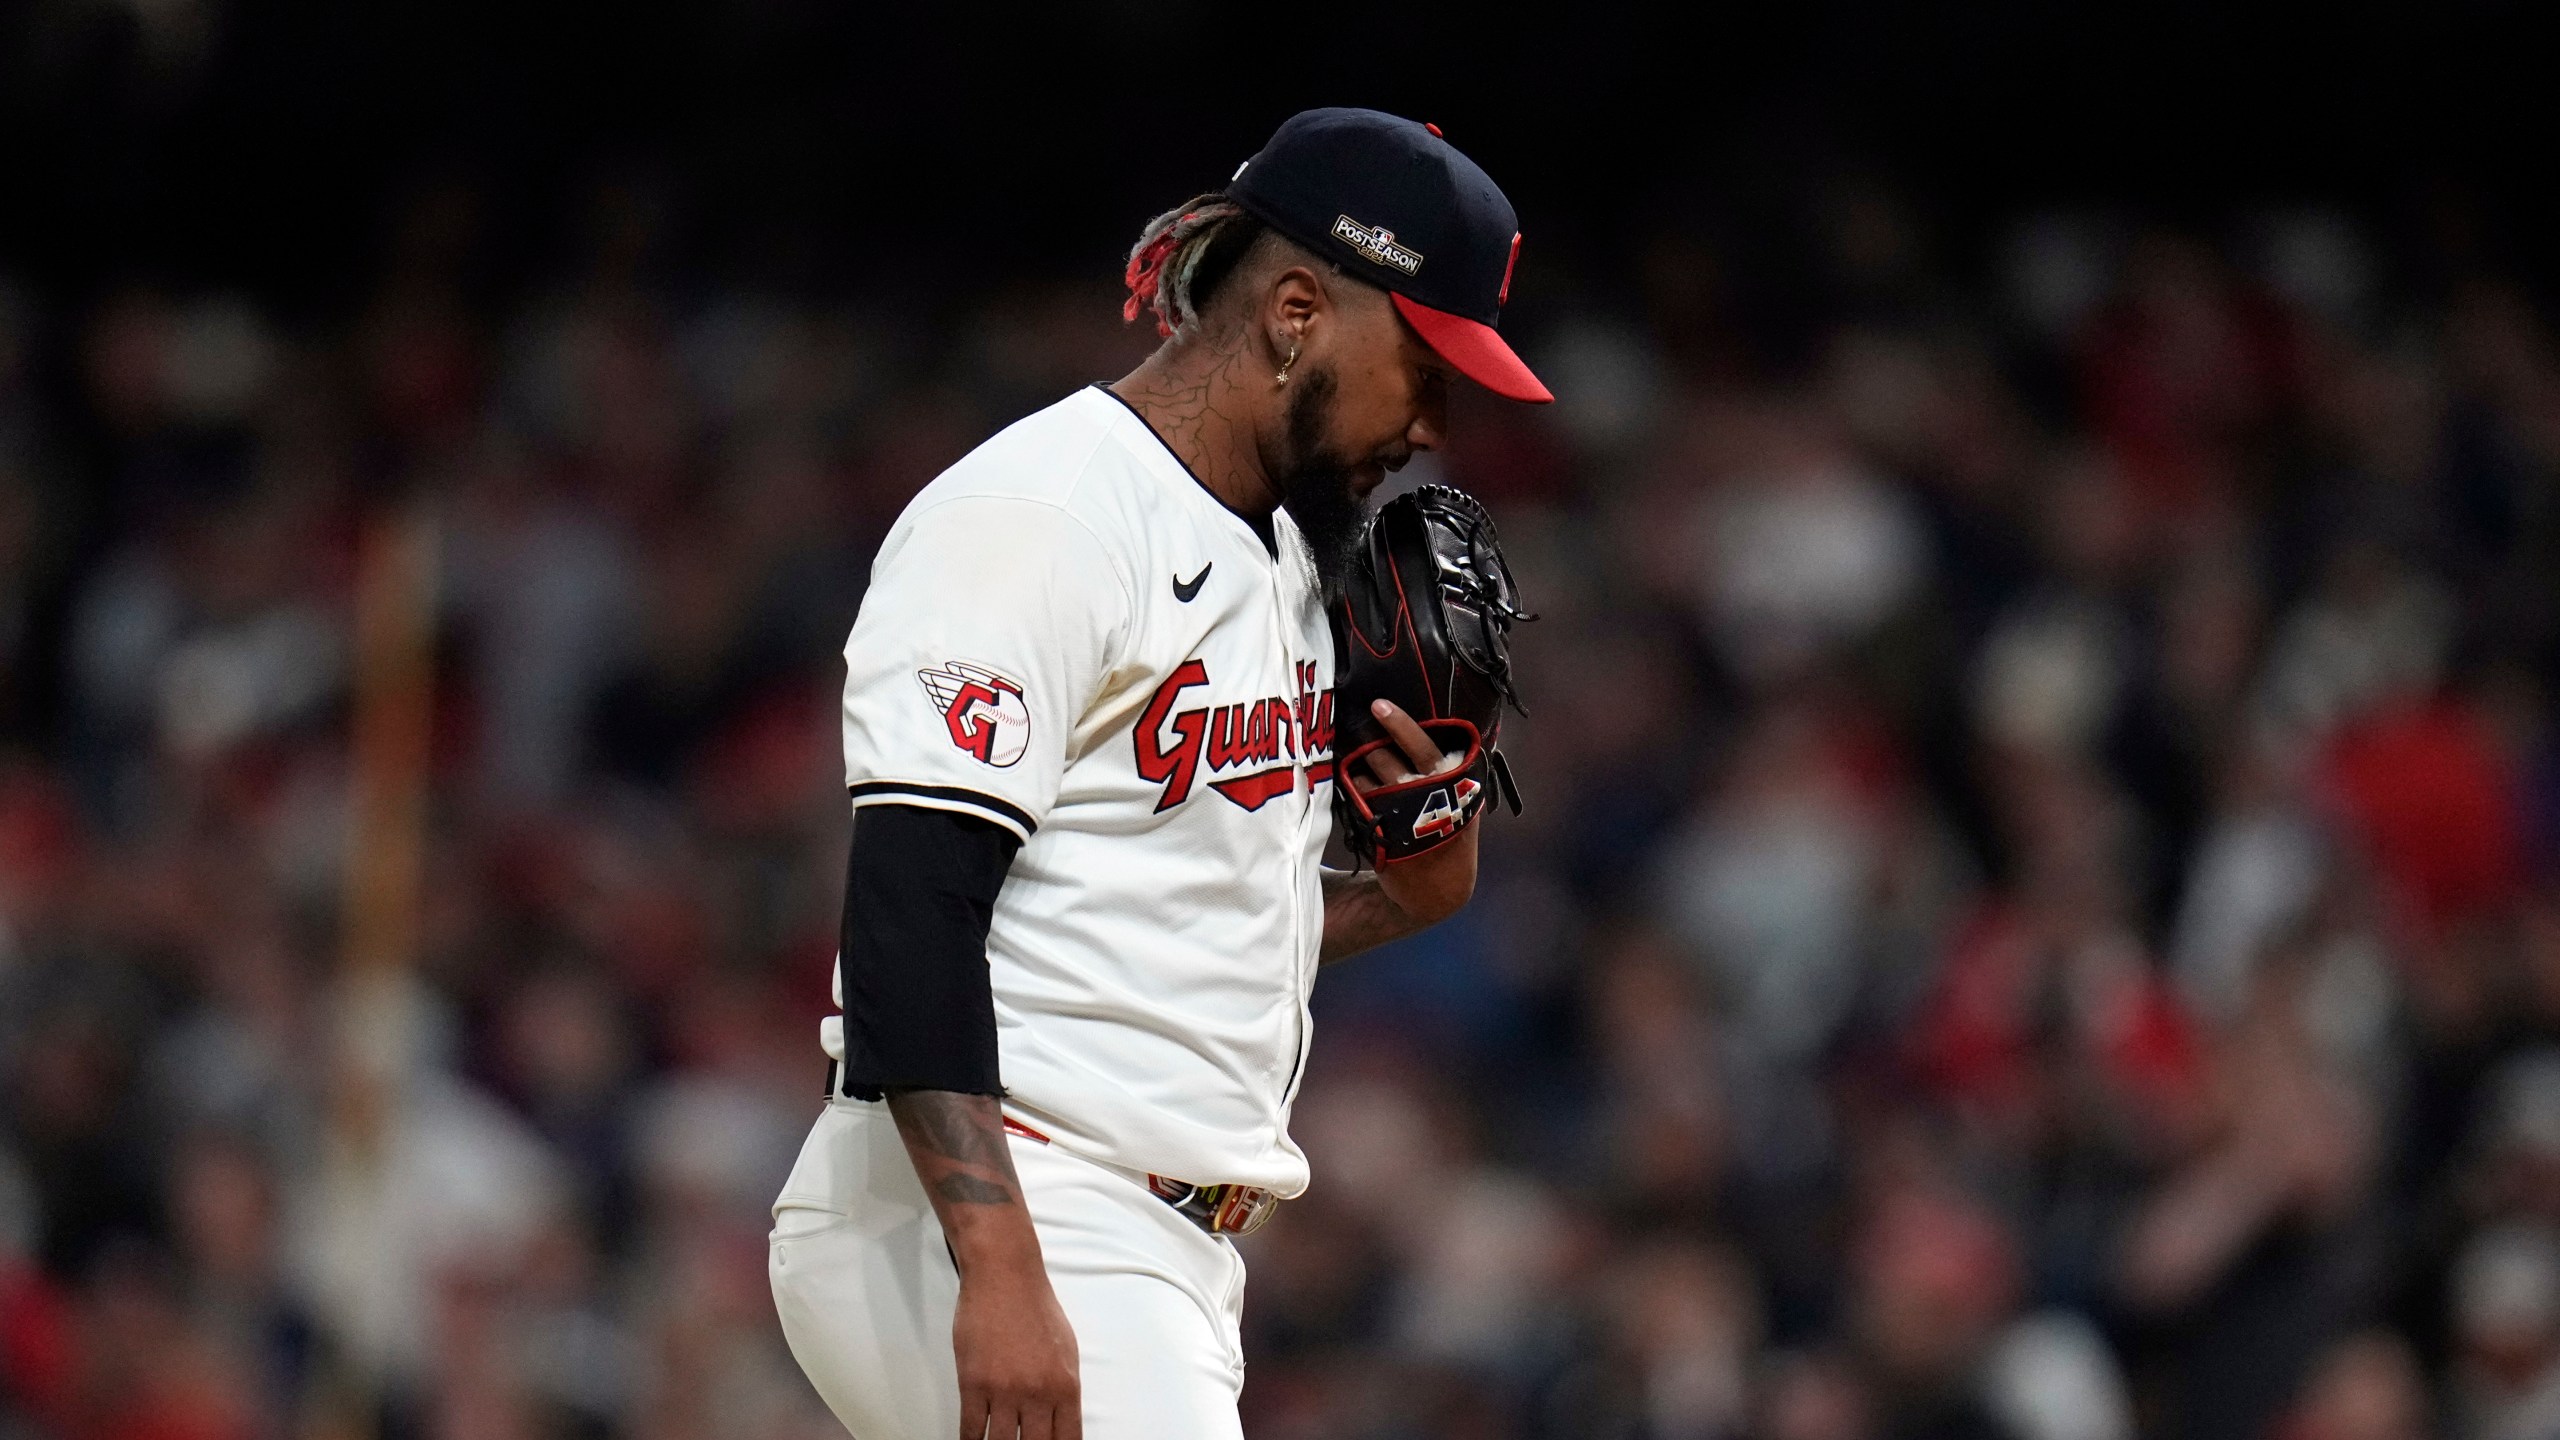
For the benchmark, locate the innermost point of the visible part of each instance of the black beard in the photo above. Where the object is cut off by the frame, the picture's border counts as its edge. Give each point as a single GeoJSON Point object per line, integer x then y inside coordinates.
{"type": "Point", "coordinates": [1315, 487]}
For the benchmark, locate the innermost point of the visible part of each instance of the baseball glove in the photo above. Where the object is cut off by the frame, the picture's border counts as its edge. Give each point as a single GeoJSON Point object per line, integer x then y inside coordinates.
{"type": "Point", "coordinates": [1424, 621]}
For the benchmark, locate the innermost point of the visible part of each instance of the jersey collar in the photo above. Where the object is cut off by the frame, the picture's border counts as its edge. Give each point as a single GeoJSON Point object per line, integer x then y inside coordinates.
{"type": "Point", "coordinates": [1279, 517]}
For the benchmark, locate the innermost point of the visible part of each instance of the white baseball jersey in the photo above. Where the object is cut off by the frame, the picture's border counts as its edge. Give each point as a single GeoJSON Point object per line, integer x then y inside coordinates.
{"type": "Point", "coordinates": [1068, 635]}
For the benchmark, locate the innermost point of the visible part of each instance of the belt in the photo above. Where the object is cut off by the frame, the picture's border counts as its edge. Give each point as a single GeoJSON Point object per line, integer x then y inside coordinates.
{"type": "Point", "coordinates": [1218, 1209]}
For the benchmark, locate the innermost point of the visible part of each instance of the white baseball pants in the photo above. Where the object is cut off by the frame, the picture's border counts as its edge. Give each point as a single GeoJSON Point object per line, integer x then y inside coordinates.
{"type": "Point", "coordinates": [866, 1289]}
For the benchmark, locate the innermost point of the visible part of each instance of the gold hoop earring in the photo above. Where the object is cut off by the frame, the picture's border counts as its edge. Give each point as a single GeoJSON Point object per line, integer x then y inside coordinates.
{"type": "Point", "coordinates": [1282, 378]}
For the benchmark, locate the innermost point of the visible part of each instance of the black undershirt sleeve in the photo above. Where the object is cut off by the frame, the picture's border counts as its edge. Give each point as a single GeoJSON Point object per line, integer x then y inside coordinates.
{"type": "Point", "coordinates": [920, 890]}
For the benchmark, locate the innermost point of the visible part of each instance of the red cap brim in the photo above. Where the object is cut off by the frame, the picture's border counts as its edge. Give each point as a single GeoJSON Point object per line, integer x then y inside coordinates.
{"type": "Point", "coordinates": [1476, 349]}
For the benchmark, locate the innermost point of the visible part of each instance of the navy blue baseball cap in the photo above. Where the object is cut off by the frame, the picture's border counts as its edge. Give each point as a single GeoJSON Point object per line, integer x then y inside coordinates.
{"type": "Point", "coordinates": [1392, 202]}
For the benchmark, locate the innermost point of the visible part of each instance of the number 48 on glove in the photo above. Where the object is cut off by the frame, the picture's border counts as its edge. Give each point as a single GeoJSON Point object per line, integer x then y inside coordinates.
{"type": "Point", "coordinates": [1424, 621]}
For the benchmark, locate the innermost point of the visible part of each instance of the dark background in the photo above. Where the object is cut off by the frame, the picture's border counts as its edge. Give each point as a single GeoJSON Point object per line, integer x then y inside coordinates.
{"type": "Point", "coordinates": [835, 147]}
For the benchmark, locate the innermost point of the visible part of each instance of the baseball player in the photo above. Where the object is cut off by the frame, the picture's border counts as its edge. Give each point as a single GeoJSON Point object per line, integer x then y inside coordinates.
{"type": "Point", "coordinates": [1088, 733]}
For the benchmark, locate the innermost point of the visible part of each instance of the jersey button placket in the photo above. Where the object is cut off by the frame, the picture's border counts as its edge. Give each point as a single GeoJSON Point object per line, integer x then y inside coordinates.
{"type": "Point", "coordinates": [1283, 611]}
{"type": "Point", "coordinates": [1278, 641]}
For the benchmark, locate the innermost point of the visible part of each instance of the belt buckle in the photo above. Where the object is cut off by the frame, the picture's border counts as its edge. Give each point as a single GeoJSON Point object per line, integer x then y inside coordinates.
{"type": "Point", "coordinates": [1245, 1209]}
{"type": "Point", "coordinates": [1218, 1209]}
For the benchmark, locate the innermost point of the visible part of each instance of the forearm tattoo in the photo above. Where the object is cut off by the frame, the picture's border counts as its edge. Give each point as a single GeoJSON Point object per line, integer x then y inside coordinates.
{"type": "Point", "coordinates": [958, 1146]}
{"type": "Point", "coordinates": [1358, 915]}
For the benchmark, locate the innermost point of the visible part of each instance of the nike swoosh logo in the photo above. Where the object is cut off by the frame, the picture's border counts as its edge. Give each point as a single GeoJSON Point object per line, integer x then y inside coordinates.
{"type": "Point", "coordinates": [1183, 589]}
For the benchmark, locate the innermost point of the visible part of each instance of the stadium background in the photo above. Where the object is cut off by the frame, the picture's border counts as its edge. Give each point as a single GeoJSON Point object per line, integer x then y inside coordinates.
{"type": "Point", "coordinates": [2037, 915]}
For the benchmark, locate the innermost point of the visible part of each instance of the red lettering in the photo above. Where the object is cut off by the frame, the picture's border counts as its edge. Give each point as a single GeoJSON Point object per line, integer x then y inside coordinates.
{"type": "Point", "coordinates": [1172, 766]}
{"type": "Point", "coordinates": [1172, 745]}
{"type": "Point", "coordinates": [1228, 747]}
{"type": "Point", "coordinates": [1257, 730]}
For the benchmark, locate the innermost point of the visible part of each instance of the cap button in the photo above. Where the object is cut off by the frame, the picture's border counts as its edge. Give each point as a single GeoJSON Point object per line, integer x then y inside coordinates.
{"type": "Point", "coordinates": [1434, 129]}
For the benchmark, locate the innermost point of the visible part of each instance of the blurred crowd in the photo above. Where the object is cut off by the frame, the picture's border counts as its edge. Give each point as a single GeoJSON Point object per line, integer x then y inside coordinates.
{"type": "Point", "coordinates": [2038, 916]}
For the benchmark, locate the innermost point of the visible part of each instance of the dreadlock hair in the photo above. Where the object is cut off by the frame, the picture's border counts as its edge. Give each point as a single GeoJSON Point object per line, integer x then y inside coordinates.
{"type": "Point", "coordinates": [1182, 255]}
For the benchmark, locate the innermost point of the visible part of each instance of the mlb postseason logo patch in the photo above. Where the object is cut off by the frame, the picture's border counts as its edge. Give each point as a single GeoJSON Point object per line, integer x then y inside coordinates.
{"type": "Point", "coordinates": [1377, 243]}
{"type": "Point", "coordinates": [983, 710]}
